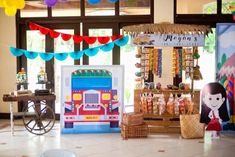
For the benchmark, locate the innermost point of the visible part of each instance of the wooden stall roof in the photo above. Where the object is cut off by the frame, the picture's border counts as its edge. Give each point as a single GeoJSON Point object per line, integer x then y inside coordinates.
{"type": "Point", "coordinates": [167, 28]}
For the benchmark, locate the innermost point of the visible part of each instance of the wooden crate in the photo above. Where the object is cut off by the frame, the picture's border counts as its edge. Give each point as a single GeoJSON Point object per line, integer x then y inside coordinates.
{"type": "Point", "coordinates": [162, 123]}
{"type": "Point", "coordinates": [134, 131]}
{"type": "Point", "coordinates": [132, 118]}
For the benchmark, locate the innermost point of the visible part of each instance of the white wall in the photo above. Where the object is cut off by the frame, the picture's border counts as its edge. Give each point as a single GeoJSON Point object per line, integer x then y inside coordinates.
{"type": "Point", "coordinates": [7, 61]}
{"type": "Point", "coordinates": [164, 12]}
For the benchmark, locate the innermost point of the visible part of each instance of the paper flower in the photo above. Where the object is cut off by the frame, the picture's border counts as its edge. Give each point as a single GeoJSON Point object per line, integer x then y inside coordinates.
{"type": "Point", "coordinates": [232, 9]}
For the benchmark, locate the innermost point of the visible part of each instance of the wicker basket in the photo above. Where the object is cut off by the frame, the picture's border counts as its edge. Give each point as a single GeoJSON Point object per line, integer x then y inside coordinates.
{"type": "Point", "coordinates": [191, 126]}
{"type": "Point", "coordinates": [132, 118]}
{"type": "Point", "coordinates": [134, 131]}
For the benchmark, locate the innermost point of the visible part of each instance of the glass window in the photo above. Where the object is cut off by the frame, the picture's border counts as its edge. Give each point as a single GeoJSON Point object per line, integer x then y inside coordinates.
{"type": "Point", "coordinates": [102, 58]}
{"type": "Point", "coordinates": [196, 7]}
{"type": "Point", "coordinates": [225, 6]}
{"type": "Point", "coordinates": [135, 7]}
{"type": "Point", "coordinates": [207, 70]}
{"type": "Point", "coordinates": [104, 8]}
{"type": "Point", "coordinates": [129, 60]}
{"type": "Point", "coordinates": [34, 8]}
{"type": "Point", "coordinates": [67, 8]}
{"type": "Point", "coordinates": [61, 46]}
{"type": "Point", "coordinates": [35, 42]}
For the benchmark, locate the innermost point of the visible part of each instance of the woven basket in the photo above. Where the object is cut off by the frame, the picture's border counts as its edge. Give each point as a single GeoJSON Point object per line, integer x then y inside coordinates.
{"type": "Point", "coordinates": [134, 131]}
{"type": "Point", "coordinates": [132, 118]}
{"type": "Point", "coordinates": [191, 126]}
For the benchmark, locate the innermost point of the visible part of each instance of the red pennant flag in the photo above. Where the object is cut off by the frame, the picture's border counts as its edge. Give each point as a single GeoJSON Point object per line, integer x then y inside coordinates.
{"type": "Point", "coordinates": [90, 40]}
{"type": "Point", "coordinates": [54, 34]}
{"type": "Point", "coordinates": [66, 37]}
{"type": "Point", "coordinates": [115, 37]}
{"type": "Point", "coordinates": [103, 40]}
{"type": "Point", "coordinates": [43, 30]}
{"type": "Point", "coordinates": [33, 26]}
{"type": "Point", "coordinates": [77, 39]}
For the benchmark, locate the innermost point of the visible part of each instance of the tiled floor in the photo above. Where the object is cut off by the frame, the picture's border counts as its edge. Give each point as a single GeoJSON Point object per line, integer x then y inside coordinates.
{"type": "Point", "coordinates": [24, 144]}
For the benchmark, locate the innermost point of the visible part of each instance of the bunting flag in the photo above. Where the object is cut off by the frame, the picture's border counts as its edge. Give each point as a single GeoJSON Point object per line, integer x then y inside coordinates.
{"type": "Point", "coordinates": [93, 2]}
{"type": "Point", "coordinates": [46, 56]}
{"type": "Point", "coordinates": [76, 38]}
{"type": "Point", "coordinates": [51, 3]}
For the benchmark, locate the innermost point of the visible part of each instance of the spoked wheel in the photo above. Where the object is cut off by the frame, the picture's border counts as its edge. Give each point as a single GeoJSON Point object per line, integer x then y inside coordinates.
{"type": "Point", "coordinates": [39, 118]}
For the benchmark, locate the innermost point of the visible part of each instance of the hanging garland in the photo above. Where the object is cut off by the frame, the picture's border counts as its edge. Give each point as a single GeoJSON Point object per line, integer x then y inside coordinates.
{"type": "Point", "coordinates": [51, 3]}
{"type": "Point", "coordinates": [75, 54]}
{"type": "Point", "coordinates": [76, 38]}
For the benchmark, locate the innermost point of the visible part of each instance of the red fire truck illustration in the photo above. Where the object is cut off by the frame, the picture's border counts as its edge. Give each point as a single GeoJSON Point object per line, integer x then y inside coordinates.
{"type": "Point", "coordinates": [92, 99]}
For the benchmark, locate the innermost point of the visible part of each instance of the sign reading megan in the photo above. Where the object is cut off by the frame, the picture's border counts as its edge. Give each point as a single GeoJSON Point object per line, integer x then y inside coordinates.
{"type": "Point", "coordinates": [150, 40]}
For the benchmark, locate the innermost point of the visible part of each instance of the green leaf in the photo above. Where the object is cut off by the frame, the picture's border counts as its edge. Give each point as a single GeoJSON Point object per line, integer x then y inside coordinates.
{"type": "Point", "coordinates": [210, 42]}
{"type": "Point", "coordinates": [223, 79]}
{"type": "Point", "coordinates": [224, 58]}
{"type": "Point", "coordinates": [219, 66]}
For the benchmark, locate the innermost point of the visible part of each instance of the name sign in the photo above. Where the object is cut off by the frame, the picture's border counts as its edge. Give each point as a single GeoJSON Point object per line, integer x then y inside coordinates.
{"type": "Point", "coordinates": [171, 40]}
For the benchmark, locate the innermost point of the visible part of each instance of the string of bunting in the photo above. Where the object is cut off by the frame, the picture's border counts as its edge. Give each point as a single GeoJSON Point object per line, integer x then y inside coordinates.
{"type": "Point", "coordinates": [46, 56]}
{"type": "Point", "coordinates": [51, 3]}
{"type": "Point", "coordinates": [76, 38]}
{"type": "Point", "coordinates": [98, 1]}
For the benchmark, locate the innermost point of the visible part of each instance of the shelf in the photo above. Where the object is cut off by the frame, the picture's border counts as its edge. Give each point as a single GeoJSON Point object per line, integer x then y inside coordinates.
{"type": "Point", "coordinates": [164, 123]}
{"type": "Point", "coordinates": [156, 116]}
{"type": "Point", "coordinates": [166, 91]}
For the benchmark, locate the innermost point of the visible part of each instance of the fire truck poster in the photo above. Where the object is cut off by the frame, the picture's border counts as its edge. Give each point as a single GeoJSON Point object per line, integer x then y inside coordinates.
{"type": "Point", "coordinates": [92, 98]}
{"type": "Point", "coordinates": [165, 40]}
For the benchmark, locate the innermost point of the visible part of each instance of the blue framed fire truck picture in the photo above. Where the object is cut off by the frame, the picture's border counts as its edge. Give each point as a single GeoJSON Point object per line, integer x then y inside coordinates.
{"type": "Point", "coordinates": [92, 98]}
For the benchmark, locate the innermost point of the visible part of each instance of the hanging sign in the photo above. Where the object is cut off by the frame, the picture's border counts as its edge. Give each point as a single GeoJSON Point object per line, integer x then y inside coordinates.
{"type": "Point", "coordinates": [150, 40]}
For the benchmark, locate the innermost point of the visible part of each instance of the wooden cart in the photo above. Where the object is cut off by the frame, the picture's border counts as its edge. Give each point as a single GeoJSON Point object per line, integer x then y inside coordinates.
{"type": "Point", "coordinates": [38, 116]}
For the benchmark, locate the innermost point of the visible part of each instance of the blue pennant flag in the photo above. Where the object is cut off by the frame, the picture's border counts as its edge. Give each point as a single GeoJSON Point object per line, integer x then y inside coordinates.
{"type": "Point", "coordinates": [77, 54]}
{"type": "Point", "coordinates": [107, 47]}
{"type": "Point", "coordinates": [61, 56]}
{"type": "Point", "coordinates": [94, 1]}
{"type": "Point", "coordinates": [16, 52]}
{"type": "Point", "coordinates": [30, 54]}
{"type": "Point", "coordinates": [91, 51]}
{"type": "Point", "coordinates": [122, 41]}
{"type": "Point", "coordinates": [112, 1]}
{"type": "Point", "coordinates": [46, 56]}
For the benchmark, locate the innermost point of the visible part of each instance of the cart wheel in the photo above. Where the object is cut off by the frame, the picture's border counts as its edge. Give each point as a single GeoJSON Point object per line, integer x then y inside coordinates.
{"type": "Point", "coordinates": [39, 118]}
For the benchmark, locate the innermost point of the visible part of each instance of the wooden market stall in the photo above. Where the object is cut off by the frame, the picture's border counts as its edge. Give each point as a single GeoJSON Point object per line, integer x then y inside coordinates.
{"type": "Point", "coordinates": [165, 35]}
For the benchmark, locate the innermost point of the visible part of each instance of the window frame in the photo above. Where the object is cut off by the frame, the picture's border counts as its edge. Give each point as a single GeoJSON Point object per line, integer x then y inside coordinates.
{"type": "Point", "coordinates": [117, 21]}
{"type": "Point", "coordinates": [203, 19]}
